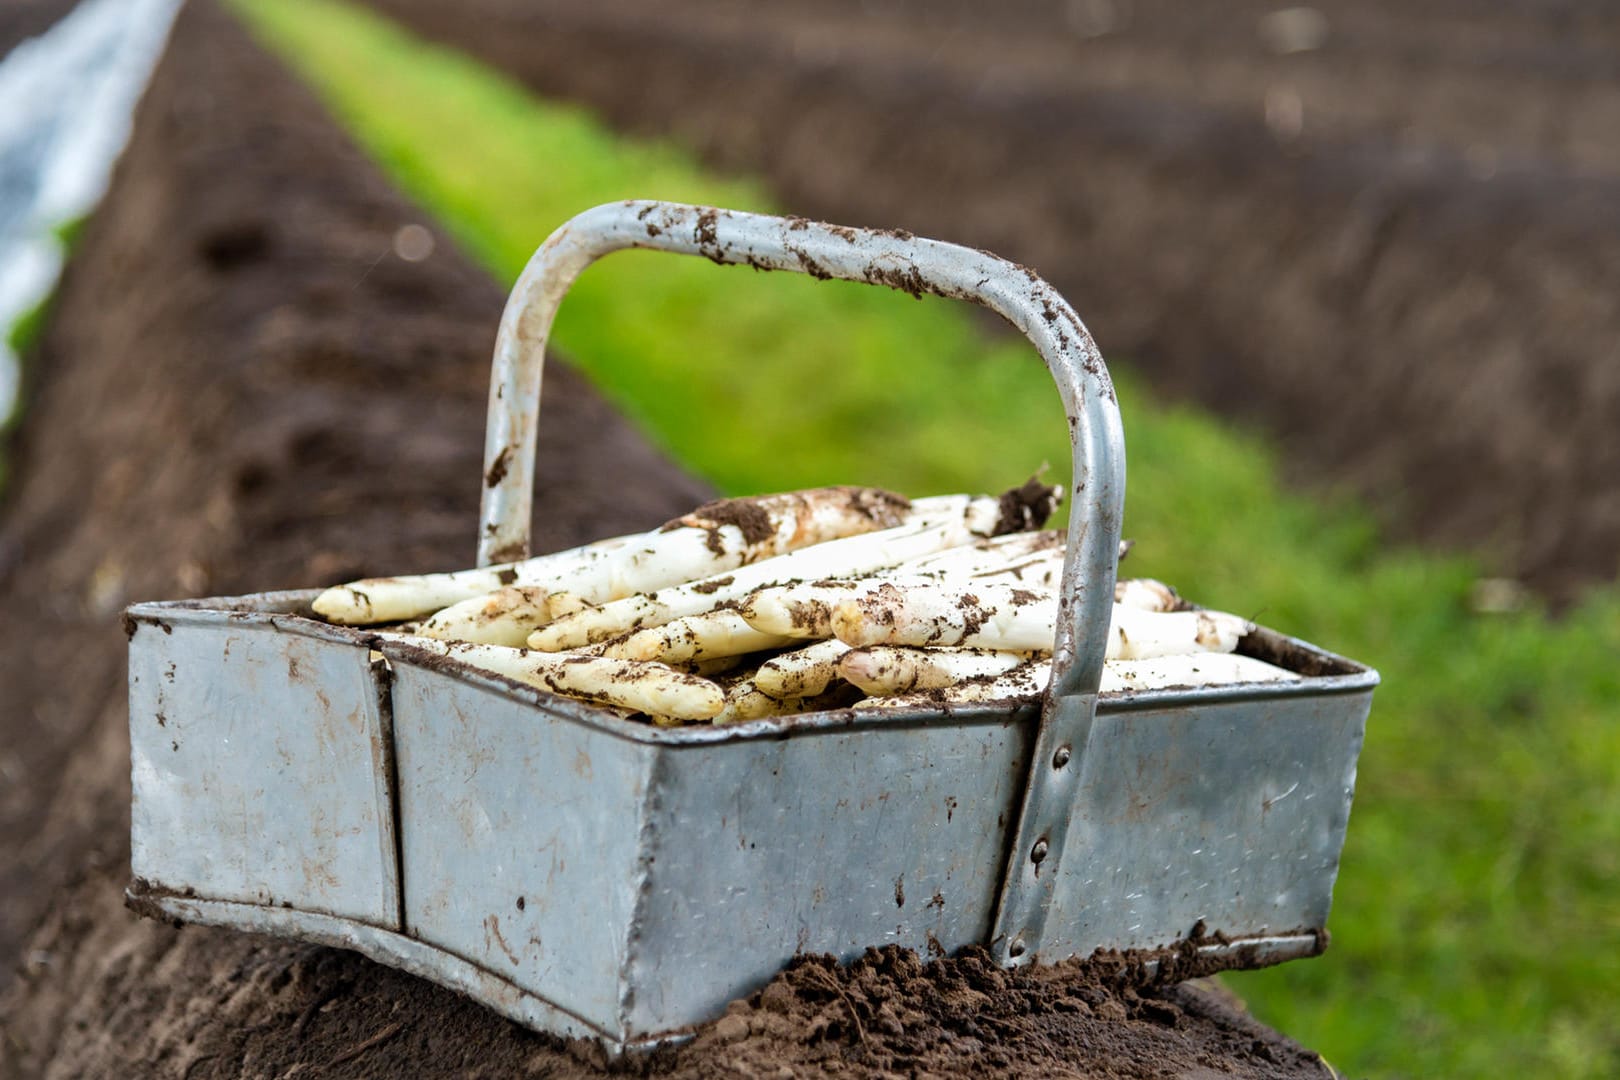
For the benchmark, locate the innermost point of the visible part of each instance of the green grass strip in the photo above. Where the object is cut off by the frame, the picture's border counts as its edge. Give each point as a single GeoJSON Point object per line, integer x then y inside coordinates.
{"type": "Point", "coordinates": [1476, 926]}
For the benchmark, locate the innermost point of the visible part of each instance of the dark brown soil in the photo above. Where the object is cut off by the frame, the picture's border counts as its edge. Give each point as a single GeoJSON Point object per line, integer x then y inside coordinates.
{"type": "Point", "coordinates": [242, 387]}
{"type": "Point", "coordinates": [1398, 252]}
{"type": "Point", "coordinates": [889, 1014]}
{"type": "Point", "coordinates": [23, 19]}
{"type": "Point", "coordinates": [1026, 507]}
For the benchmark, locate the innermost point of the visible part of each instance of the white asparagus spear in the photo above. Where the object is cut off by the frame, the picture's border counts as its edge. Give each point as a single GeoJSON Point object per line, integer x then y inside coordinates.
{"type": "Point", "coordinates": [1195, 669]}
{"type": "Point", "coordinates": [1145, 594]}
{"type": "Point", "coordinates": [843, 557]}
{"type": "Point", "coordinates": [1119, 676]}
{"type": "Point", "coordinates": [716, 665]}
{"type": "Point", "coordinates": [994, 553]}
{"type": "Point", "coordinates": [804, 609]}
{"type": "Point", "coordinates": [696, 637]}
{"type": "Point", "coordinates": [729, 533]}
{"type": "Point", "coordinates": [984, 616]}
{"type": "Point", "coordinates": [1040, 571]}
{"type": "Point", "coordinates": [1015, 619]}
{"type": "Point", "coordinates": [710, 540]}
{"type": "Point", "coordinates": [745, 702]}
{"type": "Point", "coordinates": [504, 617]}
{"type": "Point", "coordinates": [1027, 681]}
{"type": "Point", "coordinates": [1142, 635]}
{"type": "Point", "coordinates": [559, 604]}
{"type": "Point", "coordinates": [720, 665]}
{"type": "Point", "coordinates": [666, 721]}
{"type": "Point", "coordinates": [391, 599]}
{"type": "Point", "coordinates": [1033, 559]}
{"type": "Point", "coordinates": [804, 672]}
{"type": "Point", "coordinates": [629, 684]}
{"type": "Point", "coordinates": [882, 670]}
{"type": "Point", "coordinates": [1020, 509]}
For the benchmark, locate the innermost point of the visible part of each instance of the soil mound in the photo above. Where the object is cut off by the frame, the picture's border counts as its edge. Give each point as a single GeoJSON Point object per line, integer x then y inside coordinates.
{"type": "Point", "coordinates": [889, 1014]}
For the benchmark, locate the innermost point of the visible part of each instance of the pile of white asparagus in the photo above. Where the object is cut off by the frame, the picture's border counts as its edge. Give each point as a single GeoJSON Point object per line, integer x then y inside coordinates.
{"type": "Point", "coordinates": [784, 604]}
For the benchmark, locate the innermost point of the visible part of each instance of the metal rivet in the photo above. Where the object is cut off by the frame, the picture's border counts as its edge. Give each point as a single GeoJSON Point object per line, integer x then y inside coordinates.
{"type": "Point", "coordinates": [1061, 758]}
{"type": "Point", "coordinates": [1016, 948]}
{"type": "Point", "coordinates": [1039, 851]}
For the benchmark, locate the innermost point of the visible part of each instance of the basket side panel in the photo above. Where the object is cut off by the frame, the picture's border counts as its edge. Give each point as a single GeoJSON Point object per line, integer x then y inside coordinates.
{"type": "Point", "coordinates": [260, 768]}
{"type": "Point", "coordinates": [519, 838]}
{"type": "Point", "coordinates": [1231, 813]}
{"type": "Point", "coordinates": [819, 843]}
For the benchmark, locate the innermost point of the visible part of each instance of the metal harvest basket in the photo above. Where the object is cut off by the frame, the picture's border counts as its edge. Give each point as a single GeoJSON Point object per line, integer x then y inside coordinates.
{"type": "Point", "coordinates": [588, 875]}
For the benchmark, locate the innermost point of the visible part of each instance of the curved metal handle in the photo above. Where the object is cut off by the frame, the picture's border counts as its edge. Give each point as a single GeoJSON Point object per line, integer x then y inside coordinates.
{"type": "Point", "coordinates": [879, 257]}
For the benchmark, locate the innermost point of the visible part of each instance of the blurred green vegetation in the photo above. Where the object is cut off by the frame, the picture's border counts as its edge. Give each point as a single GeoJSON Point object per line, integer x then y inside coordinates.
{"type": "Point", "coordinates": [21, 338]}
{"type": "Point", "coordinates": [25, 332]}
{"type": "Point", "coordinates": [1477, 916]}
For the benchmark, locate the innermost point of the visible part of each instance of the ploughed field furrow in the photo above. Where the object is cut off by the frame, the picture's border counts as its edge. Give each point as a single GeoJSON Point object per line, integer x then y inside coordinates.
{"type": "Point", "coordinates": [243, 387]}
{"type": "Point", "coordinates": [1395, 251]}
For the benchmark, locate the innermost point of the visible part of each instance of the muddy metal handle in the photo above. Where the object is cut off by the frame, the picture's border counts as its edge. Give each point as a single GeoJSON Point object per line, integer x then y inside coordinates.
{"type": "Point", "coordinates": [879, 257]}
{"type": "Point", "coordinates": [913, 265]}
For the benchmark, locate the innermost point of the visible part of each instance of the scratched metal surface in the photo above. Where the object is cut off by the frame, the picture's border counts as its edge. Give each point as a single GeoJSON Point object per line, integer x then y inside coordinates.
{"type": "Point", "coordinates": [523, 838]}
{"type": "Point", "coordinates": [1227, 813]}
{"type": "Point", "coordinates": [762, 849]}
{"type": "Point", "coordinates": [384, 946]}
{"type": "Point", "coordinates": [260, 764]}
{"type": "Point", "coordinates": [643, 884]}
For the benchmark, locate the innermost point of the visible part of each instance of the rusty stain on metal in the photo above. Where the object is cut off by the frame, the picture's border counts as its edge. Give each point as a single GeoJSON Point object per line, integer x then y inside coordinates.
{"type": "Point", "coordinates": [492, 924]}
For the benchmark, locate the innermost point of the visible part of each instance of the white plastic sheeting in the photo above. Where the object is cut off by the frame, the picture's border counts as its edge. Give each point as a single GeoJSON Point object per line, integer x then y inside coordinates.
{"type": "Point", "coordinates": [67, 99]}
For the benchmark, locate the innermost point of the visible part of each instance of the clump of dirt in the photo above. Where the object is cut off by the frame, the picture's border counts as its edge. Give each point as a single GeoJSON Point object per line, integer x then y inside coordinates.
{"type": "Point", "coordinates": [1026, 507]}
{"type": "Point", "coordinates": [712, 585]}
{"type": "Point", "coordinates": [750, 518]}
{"type": "Point", "coordinates": [752, 515]}
{"type": "Point", "coordinates": [883, 507]}
{"type": "Point", "coordinates": [889, 1013]}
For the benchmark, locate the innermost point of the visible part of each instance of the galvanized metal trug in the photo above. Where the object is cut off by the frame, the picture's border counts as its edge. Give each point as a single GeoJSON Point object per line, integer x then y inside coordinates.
{"type": "Point", "coordinates": [588, 875]}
